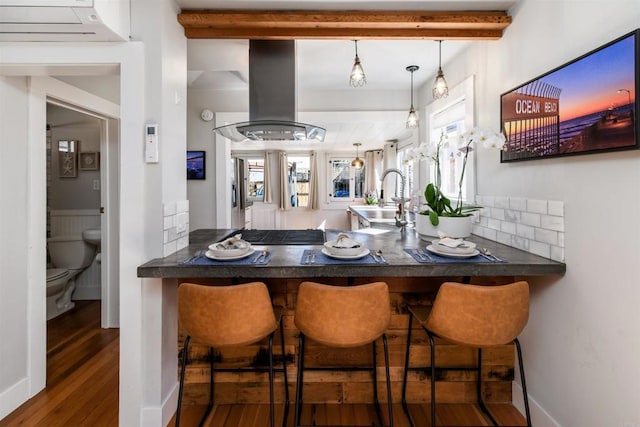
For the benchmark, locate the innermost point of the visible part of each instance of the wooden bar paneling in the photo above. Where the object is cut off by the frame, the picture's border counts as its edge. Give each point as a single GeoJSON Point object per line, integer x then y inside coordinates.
{"type": "Point", "coordinates": [456, 384]}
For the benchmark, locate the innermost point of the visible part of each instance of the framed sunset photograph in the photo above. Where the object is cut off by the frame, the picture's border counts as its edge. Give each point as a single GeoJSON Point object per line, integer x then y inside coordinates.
{"type": "Point", "coordinates": [588, 105]}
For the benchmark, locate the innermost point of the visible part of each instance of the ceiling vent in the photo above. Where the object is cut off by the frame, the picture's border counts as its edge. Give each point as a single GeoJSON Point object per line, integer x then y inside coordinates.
{"type": "Point", "coordinates": [272, 97]}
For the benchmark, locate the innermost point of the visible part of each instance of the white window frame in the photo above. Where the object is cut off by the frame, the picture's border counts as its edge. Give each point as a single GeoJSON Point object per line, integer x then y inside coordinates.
{"type": "Point", "coordinates": [435, 118]}
{"type": "Point", "coordinates": [329, 180]}
{"type": "Point", "coordinates": [308, 156]}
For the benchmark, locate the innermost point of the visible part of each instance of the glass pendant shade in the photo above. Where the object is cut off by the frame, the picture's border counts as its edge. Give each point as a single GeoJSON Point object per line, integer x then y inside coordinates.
{"type": "Point", "coordinates": [412, 119]}
{"type": "Point", "coordinates": [357, 162]}
{"type": "Point", "coordinates": [357, 77]}
{"type": "Point", "coordinates": [440, 88]}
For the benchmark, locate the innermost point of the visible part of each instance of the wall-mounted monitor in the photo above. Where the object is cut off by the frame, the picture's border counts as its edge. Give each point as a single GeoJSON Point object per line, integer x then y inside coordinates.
{"type": "Point", "coordinates": [588, 105]}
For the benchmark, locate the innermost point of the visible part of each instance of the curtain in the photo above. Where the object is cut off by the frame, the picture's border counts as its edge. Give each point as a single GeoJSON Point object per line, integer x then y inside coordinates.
{"type": "Point", "coordinates": [314, 202]}
{"type": "Point", "coordinates": [372, 172]}
{"type": "Point", "coordinates": [268, 186]}
{"type": "Point", "coordinates": [285, 194]}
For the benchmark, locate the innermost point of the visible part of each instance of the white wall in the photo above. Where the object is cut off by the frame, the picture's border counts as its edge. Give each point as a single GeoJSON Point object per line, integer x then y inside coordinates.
{"type": "Point", "coordinates": [14, 304]}
{"type": "Point", "coordinates": [582, 343]}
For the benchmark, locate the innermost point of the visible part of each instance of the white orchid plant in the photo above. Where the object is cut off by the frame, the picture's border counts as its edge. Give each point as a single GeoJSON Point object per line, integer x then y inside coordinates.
{"type": "Point", "coordinates": [438, 204]}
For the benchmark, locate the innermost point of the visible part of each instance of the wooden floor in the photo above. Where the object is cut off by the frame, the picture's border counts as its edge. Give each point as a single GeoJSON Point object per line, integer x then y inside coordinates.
{"type": "Point", "coordinates": [82, 374]}
{"type": "Point", "coordinates": [82, 390]}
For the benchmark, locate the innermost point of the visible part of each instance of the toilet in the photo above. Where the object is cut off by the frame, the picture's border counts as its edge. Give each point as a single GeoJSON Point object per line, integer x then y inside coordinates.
{"type": "Point", "coordinates": [70, 255]}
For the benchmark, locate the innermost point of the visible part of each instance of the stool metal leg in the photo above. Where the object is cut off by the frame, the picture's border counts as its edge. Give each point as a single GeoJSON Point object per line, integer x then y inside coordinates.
{"type": "Point", "coordinates": [432, 346]}
{"type": "Point", "coordinates": [525, 395]}
{"type": "Point", "coordinates": [286, 380]}
{"type": "Point", "coordinates": [185, 352]}
{"type": "Point", "coordinates": [483, 407]}
{"type": "Point", "coordinates": [211, 382]}
{"type": "Point", "coordinates": [271, 405]}
{"type": "Point", "coordinates": [376, 401]}
{"type": "Point", "coordinates": [406, 372]}
{"type": "Point", "coordinates": [299, 380]}
{"type": "Point", "coordinates": [386, 366]}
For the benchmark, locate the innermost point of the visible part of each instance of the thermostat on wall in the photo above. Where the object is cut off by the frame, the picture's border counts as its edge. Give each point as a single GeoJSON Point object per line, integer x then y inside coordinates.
{"type": "Point", "coordinates": [151, 143]}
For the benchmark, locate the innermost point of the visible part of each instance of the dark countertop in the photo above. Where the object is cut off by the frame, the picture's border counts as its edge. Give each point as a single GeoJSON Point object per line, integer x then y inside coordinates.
{"type": "Point", "coordinates": [285, 261]}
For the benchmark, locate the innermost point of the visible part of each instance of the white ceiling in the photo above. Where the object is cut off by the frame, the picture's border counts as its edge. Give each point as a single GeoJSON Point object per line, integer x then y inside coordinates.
{"type": "Point", "coordinates": [324, 65]}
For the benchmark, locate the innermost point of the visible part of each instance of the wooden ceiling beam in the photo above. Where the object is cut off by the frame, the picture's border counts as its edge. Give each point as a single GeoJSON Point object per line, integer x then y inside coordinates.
{"type": "Point", "coordinates": [245, 24]}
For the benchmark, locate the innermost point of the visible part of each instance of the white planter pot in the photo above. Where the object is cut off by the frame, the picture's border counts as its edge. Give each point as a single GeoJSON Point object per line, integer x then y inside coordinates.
{"type": "Point", "coordinates": [457, 227]}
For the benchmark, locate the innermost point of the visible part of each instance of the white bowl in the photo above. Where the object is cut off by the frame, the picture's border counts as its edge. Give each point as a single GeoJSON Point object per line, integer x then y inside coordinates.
{"type": "Point", "coordinates": [231, 247]}
{"type": "Point", "coordinates": [343, 245]}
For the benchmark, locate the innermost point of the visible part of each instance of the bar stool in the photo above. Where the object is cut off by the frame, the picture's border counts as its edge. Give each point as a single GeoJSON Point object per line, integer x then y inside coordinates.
{"type": "Point", "coordinates": [220, 316]}
{"type": "Point", "coordinates": [477, 316]}
{"type": "Point", "coordinates": [343, 317]}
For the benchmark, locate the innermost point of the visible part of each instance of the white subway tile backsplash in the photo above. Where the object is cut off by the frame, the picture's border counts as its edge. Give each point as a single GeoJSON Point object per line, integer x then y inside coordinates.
{"type": "Point", "coordinates": [539, 248]}
{"type": "Point", "coordinates": [552, 222]}
{"type": "Point", "coordinates": [169, 209]}
{"type": "Point", "coordinates": [182, 206]}
{"type": "Point", "coordinates": [501, 202]}
{"type": "Point", "coordinates": [504, 238]}
{"type": "Point", "coordinates": [557, 254]}
{"type": "Point", "coordinates": [497, 213]}
{"type": "Point", "coordinates": [556, 208]}
{"type": "Point", "coordinates": [487, 201]}
{"type": "Point", "coordinates": [525, 231]}
{"type": "Point", "coordinates": [493, 224]}
{"type": "Point", "coordinates": [508, 227]}
{"type": "Point", "coordinates": [490, 234]}
{"type": "Point", "coordinates": [546, 236]}
{"type": "Point", "coordinates": [537, 206]}
{"type": "Point", "coordinates": [174, 241]}
{"type": "Point", "coordinates": [532, 219]}
{"type": "Point", "coordinates": [531, 225]}
{"type": "Point", "coordinates": [512, 216]}
{"type": "Point", "coordinates": [518, 203]}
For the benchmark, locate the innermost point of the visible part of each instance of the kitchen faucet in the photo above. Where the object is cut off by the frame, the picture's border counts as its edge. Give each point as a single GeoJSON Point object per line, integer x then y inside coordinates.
{"type": "Point", "coordinates": [401, 213]}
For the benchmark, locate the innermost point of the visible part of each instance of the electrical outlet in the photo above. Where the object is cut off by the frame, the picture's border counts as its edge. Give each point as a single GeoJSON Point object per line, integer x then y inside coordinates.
{"type": "Point", "coordinates": [96, 184]}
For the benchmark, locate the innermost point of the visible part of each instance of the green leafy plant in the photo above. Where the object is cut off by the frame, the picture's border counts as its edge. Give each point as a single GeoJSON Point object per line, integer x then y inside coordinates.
{"type": "Point", "coordinates": [438, 204]}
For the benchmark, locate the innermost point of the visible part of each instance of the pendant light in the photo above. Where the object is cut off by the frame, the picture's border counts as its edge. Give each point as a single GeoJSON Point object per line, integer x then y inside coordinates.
{"type": "Point", "coordinates": [440, 89]}
{"type": "Point", "coordinates": [357, 162]}
{"type": "Point", "coordinates": [412, 120]}
{"type": "Point", "coordinates": [357, 77]}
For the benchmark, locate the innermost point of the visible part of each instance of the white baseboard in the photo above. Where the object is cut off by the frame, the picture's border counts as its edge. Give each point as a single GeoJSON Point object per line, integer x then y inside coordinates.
{"type": "Point", "coordinates": [13, 397]}
{"type": "Point", "coordinates": [154, 416]}
{"type": "Point", "coordinates": [87, 293]}
{"type": "Point", "coordinates": [539, 417]}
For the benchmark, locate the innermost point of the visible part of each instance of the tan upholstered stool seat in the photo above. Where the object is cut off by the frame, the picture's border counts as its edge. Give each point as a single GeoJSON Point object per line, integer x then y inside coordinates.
{"type": "Point", "coordinates": [479, 316]}
{"type": "Point", "coordinates": [343, 316]}
{"type": "Point", "coordinates": [220, 316]}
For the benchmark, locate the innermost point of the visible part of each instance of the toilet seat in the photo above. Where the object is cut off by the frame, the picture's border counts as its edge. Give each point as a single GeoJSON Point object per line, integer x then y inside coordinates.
{"type": "Point", "coordinates": [56, 273]}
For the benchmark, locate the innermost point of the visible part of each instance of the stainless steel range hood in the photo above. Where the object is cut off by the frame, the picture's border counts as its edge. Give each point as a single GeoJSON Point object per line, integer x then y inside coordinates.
{"type": "Point", "coordinates": [272, 97]}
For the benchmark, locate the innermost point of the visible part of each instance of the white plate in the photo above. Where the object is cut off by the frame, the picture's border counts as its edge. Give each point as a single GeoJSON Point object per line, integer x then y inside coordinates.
{"type": "Point", "coordinates": [464, 249]}
{"type": "Point", "coordinates": [432, 248]}
{"type": "Point", "coordinates": [211, 255]}
{"type": "Point", "coordinates": [363, 253]}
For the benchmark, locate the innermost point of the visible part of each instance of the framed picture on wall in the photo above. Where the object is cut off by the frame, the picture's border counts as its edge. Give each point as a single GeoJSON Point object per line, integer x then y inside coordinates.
{"type": "Point", "coordinates": [588, 105]}
{"type": "Point", "coordinates": [68, 159]}
{"type": "Point", "coordinates": [196, 166]}
{"type": "Point", "coordinates": [89, 161]}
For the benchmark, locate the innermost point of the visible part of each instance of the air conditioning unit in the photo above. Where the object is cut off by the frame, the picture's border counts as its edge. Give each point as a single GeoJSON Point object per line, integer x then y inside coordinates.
{"type": "Point", "coordinates": [64, 20]}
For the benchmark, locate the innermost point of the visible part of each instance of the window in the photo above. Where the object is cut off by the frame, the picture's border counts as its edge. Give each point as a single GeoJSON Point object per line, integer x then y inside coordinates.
{"type": "Point", "coordinates": [345, 182]}
{"type": "Point", "coordinates": [299, 168]}
{"type": "Point", "coordinates": [407, 171]}
{"type": "Point", "coordinates": [450, 160]}
{"type": "Point", "coordinates": [255, 178]}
